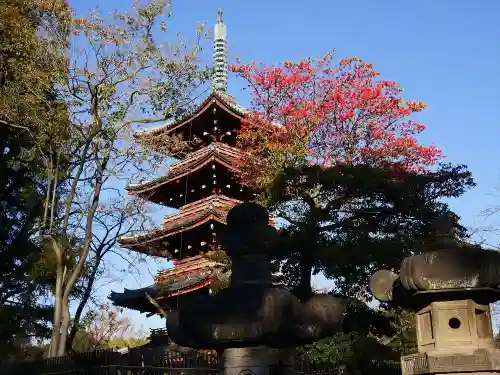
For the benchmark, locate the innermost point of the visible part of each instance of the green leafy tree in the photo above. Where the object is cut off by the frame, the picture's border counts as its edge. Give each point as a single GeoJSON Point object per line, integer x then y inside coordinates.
{"type": "Point", "coordinates": [355, 353]}
{"type": "Point", "coordinates": [363, 347]}
{"type": "Point", "coordinates": [347, 222]}
{"type": "Point", "coordinates": [21, 315]}
{"type": "Point", "coordinates": [32, 45]}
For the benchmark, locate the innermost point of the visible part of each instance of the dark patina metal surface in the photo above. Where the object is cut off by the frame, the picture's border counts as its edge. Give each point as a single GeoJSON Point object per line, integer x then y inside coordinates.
{"type": "Point", "coordinates": [451, 273]}
{"type": "Point", "coordinates": [252, 311]}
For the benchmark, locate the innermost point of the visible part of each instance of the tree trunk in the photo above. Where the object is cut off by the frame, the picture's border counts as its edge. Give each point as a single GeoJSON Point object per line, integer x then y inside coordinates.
{"type": "Point", "coordinates": [64, 327]}
{"type": "Point", "coordinates": [82, 304]}
{"type": "Point", "coordinates": [76, 272]}
{"type": "Point", "coordinates": [56, 323]}
{"type": "Point", "coordinates": [306, 260]}
{"type": "Point", "coordinates": [304, 289]}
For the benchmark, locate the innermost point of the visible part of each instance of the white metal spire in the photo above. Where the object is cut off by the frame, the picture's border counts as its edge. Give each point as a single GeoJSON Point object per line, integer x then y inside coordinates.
{"type": "Point", "coordinates": [219, 78]}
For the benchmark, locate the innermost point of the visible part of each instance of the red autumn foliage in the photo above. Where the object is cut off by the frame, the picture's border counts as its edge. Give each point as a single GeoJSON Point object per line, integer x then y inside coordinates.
{"type": "Point", "coordinates": [322, 112]}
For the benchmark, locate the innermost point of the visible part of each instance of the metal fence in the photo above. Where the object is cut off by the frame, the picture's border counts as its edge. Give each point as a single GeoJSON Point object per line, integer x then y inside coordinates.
{"type": "Point", "coordinates": [157, 360]}
{"type": "Point", "coordinates": [151, 361]}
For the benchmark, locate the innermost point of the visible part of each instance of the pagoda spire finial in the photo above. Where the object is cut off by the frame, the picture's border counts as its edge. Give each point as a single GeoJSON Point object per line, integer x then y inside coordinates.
{"type": "Point", "coordinates": [219, 78]}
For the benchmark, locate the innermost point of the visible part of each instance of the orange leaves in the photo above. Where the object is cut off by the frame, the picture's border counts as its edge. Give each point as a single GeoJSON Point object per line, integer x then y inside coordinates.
{"type": "Point", "coordinates": [348, 61]}
{"type": "Point", "coordinates": [330, 113]}
{"type": "Point", "coordinates": [416, 106]}
{"type": "Point", "coordinates": [86, 24]}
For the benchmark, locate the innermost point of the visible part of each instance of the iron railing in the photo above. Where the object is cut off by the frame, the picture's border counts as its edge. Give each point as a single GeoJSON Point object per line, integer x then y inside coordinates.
{"type": "Point", "coordinates": [154, 361]}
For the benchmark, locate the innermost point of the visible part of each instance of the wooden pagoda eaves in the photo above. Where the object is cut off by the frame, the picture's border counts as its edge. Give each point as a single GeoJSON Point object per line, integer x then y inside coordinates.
{"type": "Point", "coordinates": [167, 241]}
{"type": "Point", "coordinates": [216, 99]}
{"type": "Point", "coordinates": [173, 191]}
{"type": "Point", "coordinates": [189, 275]}
{"type": "Point", "coordinates": [187, 267]}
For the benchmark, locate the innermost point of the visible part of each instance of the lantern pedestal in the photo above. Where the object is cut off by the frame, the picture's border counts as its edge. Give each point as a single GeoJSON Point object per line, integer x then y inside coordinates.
{"type": "Point", "coordinates": [246, 361]}
{"type": "Point", "coordinates": [454, 337]}
{"type": "Point", "coordinates": [451, 289]}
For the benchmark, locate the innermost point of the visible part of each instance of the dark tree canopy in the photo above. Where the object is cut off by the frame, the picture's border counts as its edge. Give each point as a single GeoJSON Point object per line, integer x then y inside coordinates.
{"type": "Point", "coordinates": [29, 112]}
{"type": "Point", "coordinates": [348, 221]}
{"type": "Point", "coordinates": [20, 204]}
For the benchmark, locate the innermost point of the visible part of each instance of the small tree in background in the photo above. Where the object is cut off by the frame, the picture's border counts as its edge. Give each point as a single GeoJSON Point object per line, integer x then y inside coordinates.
{"type": "Point", "coordinates": [108, 327]}
{"type": "Point", "coordinates": [115, 217]}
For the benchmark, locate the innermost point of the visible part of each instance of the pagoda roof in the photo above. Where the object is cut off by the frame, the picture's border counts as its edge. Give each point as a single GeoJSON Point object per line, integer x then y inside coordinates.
{"type": "Point", "coordinates": [187, 276]}
{"type": "Point", "coordinates": [221, 98]}
{"type": "Point", "coordinates": [227, 156]}
{"type": "Point", "coordinates": [136, 298]}
{"type": "Point", "coordinates": [190, 216]}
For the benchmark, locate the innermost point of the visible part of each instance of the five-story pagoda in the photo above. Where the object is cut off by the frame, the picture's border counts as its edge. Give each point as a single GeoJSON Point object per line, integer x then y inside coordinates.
{"type": "Point", "coordinates": [203, 187]}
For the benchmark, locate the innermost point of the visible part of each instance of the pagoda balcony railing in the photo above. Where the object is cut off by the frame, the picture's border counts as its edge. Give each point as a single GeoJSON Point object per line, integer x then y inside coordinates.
{"type": "Point", "coordinates": [215, 146]}
{"type": "Point", "coordinates": [158, 331]}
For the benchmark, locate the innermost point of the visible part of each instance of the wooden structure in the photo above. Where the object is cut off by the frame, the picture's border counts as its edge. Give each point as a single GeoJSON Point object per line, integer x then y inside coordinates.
{"type": "Point", "coordinates": [203, 187]}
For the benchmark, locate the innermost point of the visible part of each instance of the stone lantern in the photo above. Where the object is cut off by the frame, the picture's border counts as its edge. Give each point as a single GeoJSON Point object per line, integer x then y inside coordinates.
{"type": "Point", "coordinates": [451, 290]}
{"type": "Point", "coordinates": [252, 320]}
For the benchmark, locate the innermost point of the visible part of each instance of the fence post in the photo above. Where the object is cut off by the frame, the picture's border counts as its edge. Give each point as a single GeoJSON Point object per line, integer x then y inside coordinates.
{"type": "Point", "coordinates": [112, 370]}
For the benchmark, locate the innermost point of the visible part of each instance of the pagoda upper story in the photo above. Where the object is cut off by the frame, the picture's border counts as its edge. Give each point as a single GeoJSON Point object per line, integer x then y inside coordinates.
{"type": "Point", "coordinates": [217, 118]}
{"type": "Point", "coordinates": [203, 185]}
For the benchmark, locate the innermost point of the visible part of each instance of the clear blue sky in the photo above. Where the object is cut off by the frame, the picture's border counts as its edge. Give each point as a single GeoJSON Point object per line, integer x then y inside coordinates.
{"type": "Point", "coordinates": [445, 53]}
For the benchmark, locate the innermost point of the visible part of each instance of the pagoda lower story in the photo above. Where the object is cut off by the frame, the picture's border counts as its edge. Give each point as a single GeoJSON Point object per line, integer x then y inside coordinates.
{"type": "Point", "coordinates": [188, 277]}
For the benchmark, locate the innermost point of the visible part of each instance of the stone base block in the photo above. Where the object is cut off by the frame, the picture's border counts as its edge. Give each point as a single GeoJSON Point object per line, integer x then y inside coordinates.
{"type": "Point", "coordinates": [258, 361]}
{"type": "Point", "coordinates": [478, 362]}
